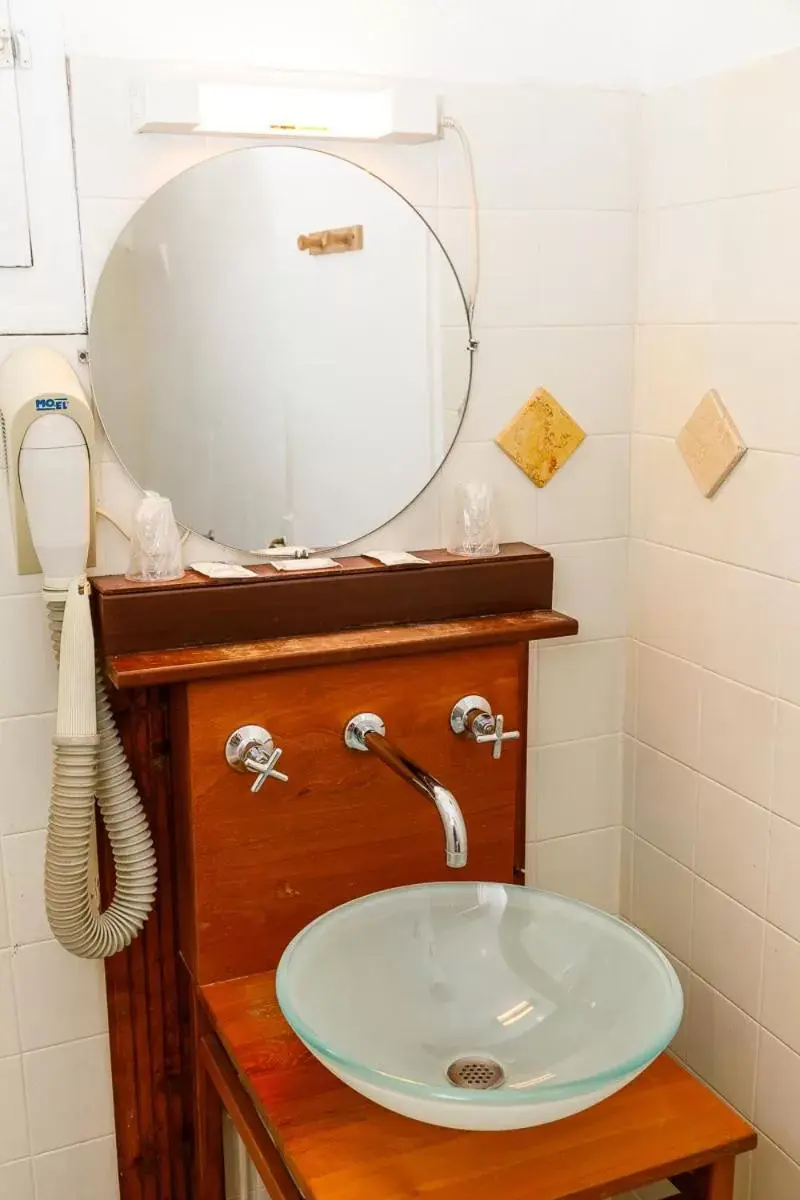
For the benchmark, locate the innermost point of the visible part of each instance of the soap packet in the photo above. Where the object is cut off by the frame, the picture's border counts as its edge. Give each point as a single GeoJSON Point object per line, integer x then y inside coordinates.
{"type": "Point", "coordinates": [218, 570]}
{"type": "Point", "coordinates": [306, 564]}
{"type": "Point", "coordinates": [395, 558]}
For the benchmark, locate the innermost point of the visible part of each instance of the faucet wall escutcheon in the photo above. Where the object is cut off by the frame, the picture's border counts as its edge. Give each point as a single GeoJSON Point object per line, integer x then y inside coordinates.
{"type": "Point", "coordinates": [252, 748]}
{"type": "Point", "coordinates": [473, 716]}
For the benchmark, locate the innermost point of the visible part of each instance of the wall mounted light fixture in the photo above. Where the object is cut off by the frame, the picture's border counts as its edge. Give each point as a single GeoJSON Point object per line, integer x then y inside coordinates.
{"type": "Point", "coordinates": [403, 113]}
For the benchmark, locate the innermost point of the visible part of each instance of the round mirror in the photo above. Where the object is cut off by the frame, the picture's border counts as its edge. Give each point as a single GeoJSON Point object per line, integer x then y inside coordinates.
{"type": "Point", "coordinates": [280, 344]}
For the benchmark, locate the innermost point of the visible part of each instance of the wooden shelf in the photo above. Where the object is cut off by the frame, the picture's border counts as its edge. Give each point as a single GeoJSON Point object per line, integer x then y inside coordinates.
{"type": "Point", "coordinates": [132, 618]}
{"type": "Point", "coordinates": [148, 668]}
{"type": "Point", "coordinates": [339, 1146]}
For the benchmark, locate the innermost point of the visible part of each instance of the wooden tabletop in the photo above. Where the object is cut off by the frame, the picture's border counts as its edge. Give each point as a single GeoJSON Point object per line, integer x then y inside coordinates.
{"type": "Point", "coordinates": [340, 1146]}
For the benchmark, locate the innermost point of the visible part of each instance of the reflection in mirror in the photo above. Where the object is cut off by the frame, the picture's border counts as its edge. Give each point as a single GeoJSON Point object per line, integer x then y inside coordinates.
{"type": "Point", "coordinates": [273, 391]}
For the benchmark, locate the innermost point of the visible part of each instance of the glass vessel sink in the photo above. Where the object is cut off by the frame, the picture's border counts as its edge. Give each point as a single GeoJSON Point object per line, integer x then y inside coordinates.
{"type": "Point", "coordinates": [479, 1005]}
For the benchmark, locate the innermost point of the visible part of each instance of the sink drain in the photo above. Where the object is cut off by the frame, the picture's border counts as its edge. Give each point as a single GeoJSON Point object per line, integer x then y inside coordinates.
{"type": "Point", "coordinates": [480, 1074]}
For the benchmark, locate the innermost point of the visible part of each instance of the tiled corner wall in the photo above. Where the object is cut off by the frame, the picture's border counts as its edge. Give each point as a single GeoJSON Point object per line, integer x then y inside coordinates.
{"type": "Point", "coordinates": [557, 181]}
{"type": "Point", "coordinates": [712, 852]}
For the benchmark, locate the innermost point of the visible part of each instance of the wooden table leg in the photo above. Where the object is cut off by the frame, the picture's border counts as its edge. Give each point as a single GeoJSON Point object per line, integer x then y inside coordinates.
{"type": "Point", "coordinates": [720, 1179]}
{"type": "Point", "coordinates": [210, 1163]}
{"type": "Point", "coordinates": [708, 1183]}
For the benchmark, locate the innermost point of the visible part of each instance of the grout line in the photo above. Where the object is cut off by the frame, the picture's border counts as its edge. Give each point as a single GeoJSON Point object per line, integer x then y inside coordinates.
{"type": "Point", "coordinates": [563, 837]}
{"type": "Point", "coordinates": [690, 662]}
{"type": "Point", "coordinates": [707, 201]}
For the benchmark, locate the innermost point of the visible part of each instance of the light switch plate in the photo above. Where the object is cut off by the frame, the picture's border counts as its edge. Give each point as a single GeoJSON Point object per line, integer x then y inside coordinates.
{"type": "Point", "coordinates": [711, 444]}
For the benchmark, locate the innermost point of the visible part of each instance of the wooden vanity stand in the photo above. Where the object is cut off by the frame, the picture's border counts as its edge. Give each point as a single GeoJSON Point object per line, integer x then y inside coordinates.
{"type": "Point", "coordinates": [193, 1019]}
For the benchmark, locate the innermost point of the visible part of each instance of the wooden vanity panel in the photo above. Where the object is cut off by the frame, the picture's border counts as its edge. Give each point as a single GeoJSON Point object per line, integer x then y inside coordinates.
{"type": "Point", "coordinates": [193, 611]}
{"type": "Point", "coordinates": [267, 864]}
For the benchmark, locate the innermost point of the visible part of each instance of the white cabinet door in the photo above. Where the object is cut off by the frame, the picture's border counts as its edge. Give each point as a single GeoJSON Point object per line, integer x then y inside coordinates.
{"type": "Point", "coordinates": [46, 296]}
{"type": "Point", "coordinates": [15, 242]}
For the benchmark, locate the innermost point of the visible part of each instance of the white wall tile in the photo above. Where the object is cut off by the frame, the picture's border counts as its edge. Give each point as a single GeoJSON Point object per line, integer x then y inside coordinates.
{"type": "Point", "coordinates": [783, 909]}
{"type": "Point", "coordinates": [747, 523]}
{"type": "Point", "coordinates": [579, 147]}
{"type": "Point", "coordinates": [5, 932]}
{"type": "Point", "coordinates": [580, 690]}
{"type": "Point", "coordinates": [631, 687]}
{"type": "Point", "coordinates": [662, 899]}
{"type": "Point", "coordinates": [665, 803]}
{"type": "Point", "coordinates": [737, 734]}
{"type": "Point", "coordinates": [775, 1175]}
{"type": "Point", "coordinates": [9, 1037]}
{"type": "Point", "coordinates": [416, 528]}
{"type": "Point", "coordinates": [111, 160]}
{"type": "Point", "coordinates": [780, 1012]}
{"type": "Point", "coordinates": [585, 866]}
{"type": "Point", "coordinates": [11, 584]}
{"type": "Point", "coordinates": [678, 1044]}
{"type": "Point", "coordinates": [732, 844]}
{"type": "Point", "coordinates": [712, 583]}
{"type": "Point", "coordinates": [55, 1119]}
{"type": "Point", "coordinates": [515, 497]}
{"type": "Point", "coordinates": [777, 1109]}
{"type": "Point", "coordinates": [668, 711]}
{"type": "Point", "coordinates": [87, 1171]}
{"type": "Point", "coordinates": [628, 781]}
{"type": "Point", "coordinates": [721, 1045]}
{"type": "Point", "coordinates": [597, 248]}
{"type": "Point", "coordinates": [59, 997]}
{"type": "Point", "coordinates": [715, 614]}
{"type": "Point", "coordinates": [719, 924]}
{"type": "Point", "coordinates": [677, 364]}
{"type": "Point", "coordinates": [788, 623]}
{"type": "Point", "coordinates": [590, 584]}
{"type": "Point", "coordinates": [575, 787]}
{"type": "Point", "coordinates": [531, 260]}
{"type": "Point", "coordinates": [589, 497]}
{"type": "Point", "coordinates": [14, 1142]}
{"type": "Point", "coordinates": [587, 369]}
{"type": "Point", "coordinates": [26, 658]}
{"type": "Point", "coordinates": [25, 769]}
{"type": "Point", "coordinates": [680, 157]}
{"type": "Point", "coordinates": [757, 148]}
{"type": "Point", "coordinates": [786, 774]}
{"type": "Point", "coordinates": [626, 874]}
{"type": "Point", "coordinates": [23, 854]}
{"type": "Point", "coordinates": [102, 221]}
{"type": "Point", "coordinates": [757, 276]}
{"type": "Point", "coordinates": [16, 1180]}
{"type": "Point", "coordinates": [677, 265]}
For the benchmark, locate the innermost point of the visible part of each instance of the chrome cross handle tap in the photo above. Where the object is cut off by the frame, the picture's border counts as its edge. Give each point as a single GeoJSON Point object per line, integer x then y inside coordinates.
{"type": "Point", "coordinates": [251, 748]}
{"type": "Point", "coordinates": [473, 716]}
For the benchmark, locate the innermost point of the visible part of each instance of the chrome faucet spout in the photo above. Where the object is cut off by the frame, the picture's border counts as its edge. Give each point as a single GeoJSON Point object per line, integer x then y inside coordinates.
{"type": "Point", "coordinates": [367, 732]}
{"type": "Point", "coordinates": [455, 830]}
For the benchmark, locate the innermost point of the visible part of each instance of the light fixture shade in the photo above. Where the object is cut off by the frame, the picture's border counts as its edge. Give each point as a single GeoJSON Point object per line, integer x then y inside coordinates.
{"type": "Point", "coordinates": [402, 113]}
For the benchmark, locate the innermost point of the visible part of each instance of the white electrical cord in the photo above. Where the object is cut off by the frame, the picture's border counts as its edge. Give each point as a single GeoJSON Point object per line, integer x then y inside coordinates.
{"type": "Point", "coordinates": [475, 264]}
{"type": "Point", "coordinates": [90, 763]}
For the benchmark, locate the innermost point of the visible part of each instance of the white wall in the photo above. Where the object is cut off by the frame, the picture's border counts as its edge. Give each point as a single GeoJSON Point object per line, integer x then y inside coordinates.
{"type": "Point", "coordinates": [571, 41]}
{"type": "Point", "coordinates": [714, 784]}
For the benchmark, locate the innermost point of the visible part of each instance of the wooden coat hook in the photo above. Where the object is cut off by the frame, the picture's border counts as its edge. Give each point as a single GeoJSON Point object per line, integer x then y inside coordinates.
{"type": "Point", "coordinates": [332, 241]}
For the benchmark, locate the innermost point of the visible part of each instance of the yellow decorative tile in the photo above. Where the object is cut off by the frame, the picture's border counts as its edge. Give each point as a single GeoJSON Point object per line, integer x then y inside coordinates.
{"type": "Point", "coordinates": [541, 437]}
{"type": "Point", "coordinates": [711, 444]}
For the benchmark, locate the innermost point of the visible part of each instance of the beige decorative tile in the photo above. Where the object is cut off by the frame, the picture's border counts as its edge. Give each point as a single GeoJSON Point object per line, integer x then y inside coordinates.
{"type": "Point", "coordinates": [711, 444]}
{"type": "Point", "coordinates": [541, 437]}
